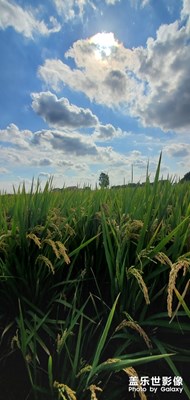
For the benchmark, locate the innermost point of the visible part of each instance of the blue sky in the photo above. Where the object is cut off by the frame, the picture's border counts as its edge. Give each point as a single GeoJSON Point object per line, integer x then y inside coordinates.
{"type": "Point", "coordinates": [93, 85]}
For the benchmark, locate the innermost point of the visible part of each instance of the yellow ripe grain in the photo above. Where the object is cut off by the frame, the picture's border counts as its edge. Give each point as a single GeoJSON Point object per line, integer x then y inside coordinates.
{"type": "Point", "coordinates": [53, 246]}
{"type": "Point", "coordinates": [164, 259]}
{"type": "Point", "coordinates": [46, 261]}
{"type": "Point", "coordinates": [181, 264]}
{"type": "Point", "coordinates": [87, 368]}
{"type": "Point", "coordinates": [35, 239]}
{"type": "Point", "coordinates": [93, 389]}
{"type": "Point", "coordinates": [136, 327]}
{"type": "Point", "coordinates": [62, 251]}
{"type": "Point", "coordinates": [138, 275]}
{"type": "Point", "coordinates": [64, 389]}
{"type": "Point", "coordinates": [183, 296]}
{"type": "Point", "coordinates": [112, 360]}
{"type": "Point", "coordinates": [15, 341]}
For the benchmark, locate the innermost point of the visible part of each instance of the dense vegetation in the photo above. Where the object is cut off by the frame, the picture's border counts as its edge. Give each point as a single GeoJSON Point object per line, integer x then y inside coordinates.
{"type": "Point", "coordinates": [93, 290]}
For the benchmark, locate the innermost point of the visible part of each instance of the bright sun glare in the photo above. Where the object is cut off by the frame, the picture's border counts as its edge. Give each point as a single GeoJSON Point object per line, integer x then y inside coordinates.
{"type": "Point", "coordinates": [105, 42]}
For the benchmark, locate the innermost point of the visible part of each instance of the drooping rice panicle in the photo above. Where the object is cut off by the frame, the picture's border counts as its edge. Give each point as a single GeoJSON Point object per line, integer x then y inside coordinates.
{"type": "Point", "coordinates": [46, 262]}
{"type": "Point", "coordinates": [138, 275]}
{"type": "Point", "coordinates": [137, 328]}
{"type": "Point", "coordinates": [181, 264]}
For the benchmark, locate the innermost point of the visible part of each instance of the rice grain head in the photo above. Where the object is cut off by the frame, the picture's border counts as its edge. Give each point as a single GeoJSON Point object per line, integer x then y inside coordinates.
{"type": "Point", "coordinates": [35, 239]}
{"type": "Point", "coordinates": [138, 275]}
{"type": "Point", "coordinates": [62, 251]}
{"type": "Point", "coordinates": [180, 264]}
{"type": "Point", "coordinates": [65, 392]}
{"type": "Point", "coordinates": [61, 339]}
{"type": "Point", "coordinates": [137, 328]}
{"type": "Point", "coordinates": [85, 369]}
{"type": "Point", "coordinates": [163, 259]}
{"type": "Point", "coordinates": [45, 261]}
{"type": "Point", "coordinates": [93, 389]}
{"type": "Point", "coordinates": [51, 243]}
{"type": "Point", "coordinates": [15, 340]}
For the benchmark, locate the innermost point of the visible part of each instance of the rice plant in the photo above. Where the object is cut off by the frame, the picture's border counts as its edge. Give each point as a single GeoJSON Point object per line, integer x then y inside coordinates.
{"type": "Point", "coordinates": [93, 289]}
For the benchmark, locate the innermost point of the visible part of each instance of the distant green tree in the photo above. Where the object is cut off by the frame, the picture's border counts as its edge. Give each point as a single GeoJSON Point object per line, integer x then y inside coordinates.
{"type": "Point", "coordinates": [186, 177]}
{"type": "Point", "coordinates": [104, 180]}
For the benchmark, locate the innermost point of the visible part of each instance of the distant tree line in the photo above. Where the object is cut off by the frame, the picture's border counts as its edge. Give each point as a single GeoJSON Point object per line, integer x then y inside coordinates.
{"type": "Point", "coordinates": [186, 177]}
{"type": "Point", "coordinates": [104, 182]}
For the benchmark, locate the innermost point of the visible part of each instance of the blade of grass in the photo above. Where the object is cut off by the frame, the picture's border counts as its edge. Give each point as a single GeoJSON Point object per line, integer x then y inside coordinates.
{"type": "Point", "coordinates": [102, 340]}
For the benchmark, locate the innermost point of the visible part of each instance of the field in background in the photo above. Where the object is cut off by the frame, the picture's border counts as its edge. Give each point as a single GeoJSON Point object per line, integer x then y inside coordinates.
{"type": "Point", "coordinates": [94, 289]}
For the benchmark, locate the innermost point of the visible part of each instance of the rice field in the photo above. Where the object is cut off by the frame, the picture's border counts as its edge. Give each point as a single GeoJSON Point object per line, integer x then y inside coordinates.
{"type": "Point", "coordinates": [94, 291]}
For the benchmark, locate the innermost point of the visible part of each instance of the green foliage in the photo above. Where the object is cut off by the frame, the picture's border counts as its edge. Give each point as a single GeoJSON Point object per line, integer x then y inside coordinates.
{"type": "Point", "coordinates": [186, 177]}
{"type": "Point", "coordinates": [104, 180]}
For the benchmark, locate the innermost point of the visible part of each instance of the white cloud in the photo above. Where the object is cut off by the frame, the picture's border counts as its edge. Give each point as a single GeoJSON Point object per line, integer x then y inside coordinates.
{"type": "Point", "coordinates": [151, 82]}
{"type": "Point", "coordinates": [60, 113]}
{"type": "Point", "coordinates": [165, 70]}
{"type": "Point", "coordinates": [185, 12]}
{"type": "Point", "coordinates": [179, 150]}
{"type": "Point", "coordinates": [139, 3]}
{"type": "Point", "coordinates": [70, 9]}
{"type": "Point", "coordinates": [51, 148]}
{"type": "Point", "coordinates": [12, 137]}
{"type": "Point", "coordinates": [104, 79]}
{"type": "Point", "coordinates": [144, 3]}
{"type": "Point", "coordinates": [106, 132]}
{"type": "Point", "coordinates": [70, 155]}
{"type": "Point", "coordinates": [112, 2]}
{"type": "Point", "coordinates": [25, 21]}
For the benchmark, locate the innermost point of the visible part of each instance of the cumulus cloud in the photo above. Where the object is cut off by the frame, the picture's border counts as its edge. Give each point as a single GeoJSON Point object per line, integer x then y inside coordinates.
{"type": "Point", "coordinates": [73, 145]}
{"type": "Point", "coordinates": [55, 148]}
{"type": "Point", "coordinates": [151, 82]}
{"type": "Point", "coordinates": [25, 21]}
{"type": "Point", "coordinates": [179, 150]}
{"type": "Point", "coordinates": [60, 113]}
{"type": "Point", "coordinates": [45, 162]}
{"type": "Point", "coordinates": [55, 151]}
{"type": "Point", "coordinates": [165, 69]}
{"type": "Point", "coordinates": [103, 76]}
{"type": "Point", "coordinates": [106, 132]}
{"type": "Point", "coordinates": [185, 12]}
{"type": "Point", "coordinates": [13, 137]}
